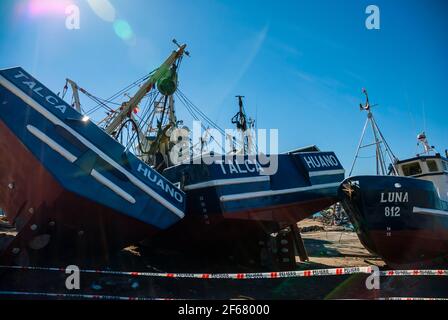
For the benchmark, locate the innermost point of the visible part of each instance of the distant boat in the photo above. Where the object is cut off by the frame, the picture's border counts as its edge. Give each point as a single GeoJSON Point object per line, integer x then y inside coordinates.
{"type": "Point", "coordinates": [401, 214]}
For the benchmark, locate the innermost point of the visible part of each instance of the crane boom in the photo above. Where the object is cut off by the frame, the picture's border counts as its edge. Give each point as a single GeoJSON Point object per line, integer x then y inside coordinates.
{"type": "Point", "coordinates": [144, 89]}
{"type": "Point", "coordinates": [75, 94]}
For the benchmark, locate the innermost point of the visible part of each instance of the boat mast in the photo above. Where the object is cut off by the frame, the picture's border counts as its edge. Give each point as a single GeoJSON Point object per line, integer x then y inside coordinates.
{"type": "Point", "coordinates": [133, 102]}
{"type": "Point", "coordinates": [243, 126]}
{"type": "Point", "coordinates": [427, 148]}
{"type": "Point", "coordinates": [381, 168]}
{"type": "Point", "coordinates": [241, 122]}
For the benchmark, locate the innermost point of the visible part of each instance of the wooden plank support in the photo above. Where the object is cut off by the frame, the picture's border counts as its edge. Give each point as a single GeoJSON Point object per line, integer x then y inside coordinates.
{"type": "Point", "coordinates": [303, 255]}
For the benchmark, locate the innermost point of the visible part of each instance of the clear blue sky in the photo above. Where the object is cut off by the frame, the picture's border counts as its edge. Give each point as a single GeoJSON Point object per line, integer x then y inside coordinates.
{"type": "Point", "coordinates": [301, 64]}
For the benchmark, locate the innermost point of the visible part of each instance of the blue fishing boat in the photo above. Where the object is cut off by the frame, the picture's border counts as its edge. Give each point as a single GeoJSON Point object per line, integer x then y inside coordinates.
{"type": "Point", "coordinates": [239, 200]}
{"type": "Point", "coordinates": [67, 182]}
{"type": "Point", "coordinates": [241, 188]}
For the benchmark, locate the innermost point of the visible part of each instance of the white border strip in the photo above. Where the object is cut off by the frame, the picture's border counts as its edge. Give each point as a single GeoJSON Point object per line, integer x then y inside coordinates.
{"type": "Point", "coordinates": [259, 194]}
{"type": "Point", "coordinates": [112, 186]}
{"type": "Point", "coordinates": [72, 158]}
{"type": "Point", "coordinates": [224, 182]}
{"type": "Point", "coordinates": [55, 120]}
{"type": "Point", "coordinates": [51, 143]}
{"type": "Point", "coordinates": [429, 211]}
{"type": "Point", "coordinates": [326, 173]}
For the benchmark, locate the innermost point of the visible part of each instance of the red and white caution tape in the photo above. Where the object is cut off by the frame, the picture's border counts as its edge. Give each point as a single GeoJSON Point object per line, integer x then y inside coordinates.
{"type": "Point", "coordinates": [411, 299]}
{"type": "Point", "coordinates": [74, 296]}
{"type": "Point", "coordinates": [122, 298]}
{"type": "Point", "coordinates": [392, 273]}
{"type": "Point", "coordinates": [241, 276]}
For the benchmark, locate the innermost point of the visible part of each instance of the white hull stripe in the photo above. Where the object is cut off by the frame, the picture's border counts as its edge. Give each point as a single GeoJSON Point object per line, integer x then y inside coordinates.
{"type": "Point", "coordinates": [55, 120]}
{"type": "Point", "coordinates": [326, 173]}
{"type": "Point", "coordinates": [51, 143]}
{"type": "Point", "coordinates": [430, 211]}
{"type": "Point", "coordinates": [224, 182]}
{"type": "Point", "coordinates": [259, 194]}
{"type": "Point", "coordinates": [102, 179]}
{"type": "Point", "coordinates": [72, 158]}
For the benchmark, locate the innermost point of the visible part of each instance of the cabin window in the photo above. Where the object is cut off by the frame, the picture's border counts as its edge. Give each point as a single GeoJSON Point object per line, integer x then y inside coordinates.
{"type": "Point", "coordinates": [445, 165]}
{"type": "Point", "coordinates": [412, 169]}
{"type": "Point", "coordinates": [432, 166]}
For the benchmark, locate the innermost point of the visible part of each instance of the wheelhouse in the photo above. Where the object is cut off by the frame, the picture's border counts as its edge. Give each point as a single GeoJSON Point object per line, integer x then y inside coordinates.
{"type": "Point", "coordinates": [423, 166]}
{"type": "Point", "coordinates": [432, 168]}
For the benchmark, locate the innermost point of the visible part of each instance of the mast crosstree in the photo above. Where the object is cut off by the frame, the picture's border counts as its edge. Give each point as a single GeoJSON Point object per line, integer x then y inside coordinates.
{"type": "Point", "coordinates": [244, 127]}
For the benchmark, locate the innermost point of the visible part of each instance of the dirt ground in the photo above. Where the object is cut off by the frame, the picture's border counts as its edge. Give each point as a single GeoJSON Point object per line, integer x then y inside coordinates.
{"type": "Point", "coordinates": [327, 247]}
{"type": "Point", "coordinates": [335, 246]}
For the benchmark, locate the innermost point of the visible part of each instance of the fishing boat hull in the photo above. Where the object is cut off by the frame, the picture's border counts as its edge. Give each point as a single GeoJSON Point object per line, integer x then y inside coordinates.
{"type": "Point", "coordinates": [400, 219]}
{"type": "Point", "coordinates": [67, 184]}
{"type": "Point", "coordinates": [246, 189]}
{"type": "Point", "coordinates": [244, 208]}
{"type": "Point", "coordinates": [46, 214]}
